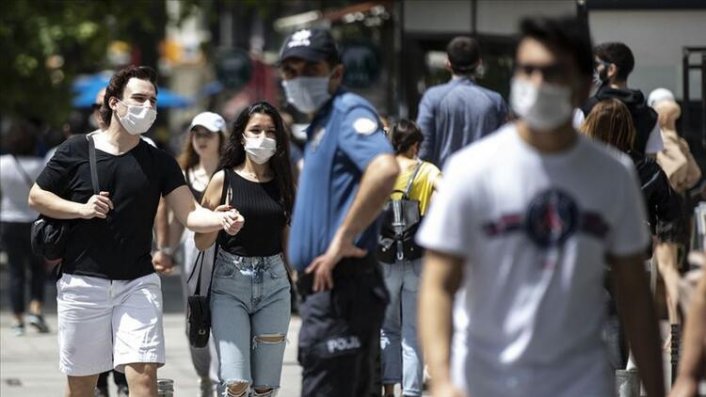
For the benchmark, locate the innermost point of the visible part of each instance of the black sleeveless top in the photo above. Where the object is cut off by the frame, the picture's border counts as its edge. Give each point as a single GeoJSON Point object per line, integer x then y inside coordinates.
{"type": "Point", "coordinates": [259, 204]}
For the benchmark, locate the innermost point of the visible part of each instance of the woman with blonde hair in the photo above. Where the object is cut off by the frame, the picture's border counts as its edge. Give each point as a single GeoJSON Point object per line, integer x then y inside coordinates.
{"type": "Point", "coordinates": [610, 122]}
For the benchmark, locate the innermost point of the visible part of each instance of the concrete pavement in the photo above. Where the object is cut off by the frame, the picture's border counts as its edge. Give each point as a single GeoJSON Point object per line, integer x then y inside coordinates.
{"type": "Point", "coordinates": [29, 364]}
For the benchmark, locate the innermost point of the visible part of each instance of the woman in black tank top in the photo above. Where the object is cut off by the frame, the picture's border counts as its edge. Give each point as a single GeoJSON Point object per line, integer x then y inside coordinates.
{"type": "Point", "coordinates": [250, 293]}
{"type": "Point", "coordinates": [199, 159]}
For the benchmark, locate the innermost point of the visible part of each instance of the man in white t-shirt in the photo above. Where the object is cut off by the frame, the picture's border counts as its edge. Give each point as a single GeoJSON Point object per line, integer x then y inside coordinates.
{"type": "Point", "coordinates": [519, 237]}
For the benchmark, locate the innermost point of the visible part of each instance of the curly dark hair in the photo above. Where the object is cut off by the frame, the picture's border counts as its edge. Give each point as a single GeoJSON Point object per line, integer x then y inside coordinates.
{"type": "Point", "coordinates": [234, 152]}
{"type": "Point", "coordinates": [117, 84]}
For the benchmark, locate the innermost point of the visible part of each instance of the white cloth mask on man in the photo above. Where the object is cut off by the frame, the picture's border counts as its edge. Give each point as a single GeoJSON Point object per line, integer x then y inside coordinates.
{"type": "Point", "coordinates": [543, 107]}
{"type": "Point", "coordinates": [307, 94]}
{"type": "Point", "coordinates": [138, 119]}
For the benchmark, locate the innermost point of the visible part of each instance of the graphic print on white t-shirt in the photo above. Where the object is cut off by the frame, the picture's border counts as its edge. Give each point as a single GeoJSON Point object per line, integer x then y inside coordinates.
{"type": "Point", "coordinates": [534, 230]}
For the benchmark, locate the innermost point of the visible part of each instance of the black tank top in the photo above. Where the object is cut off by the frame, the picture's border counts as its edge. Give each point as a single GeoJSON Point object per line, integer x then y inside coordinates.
{"type": "Point", "coordinates": [259, 204]}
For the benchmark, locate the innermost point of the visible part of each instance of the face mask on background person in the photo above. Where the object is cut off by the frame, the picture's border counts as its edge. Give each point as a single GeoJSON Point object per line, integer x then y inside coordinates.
{"type": "Point", "coordinates": [543, 108]}
{"type": "Point", "coordinates": [260, 150]}
{"type": "Point", "coordinates": [600, 78]}
{"type": "Point", "coordinates": [138, 119]}
{"type": "Point", "coordinates": [307, 94]}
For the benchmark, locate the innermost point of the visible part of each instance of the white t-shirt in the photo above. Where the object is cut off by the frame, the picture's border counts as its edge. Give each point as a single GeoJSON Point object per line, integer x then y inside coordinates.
{"type": "Point", "coordinates": [534, 230]}
{"type": "Point", "coordinates": [15, 187]}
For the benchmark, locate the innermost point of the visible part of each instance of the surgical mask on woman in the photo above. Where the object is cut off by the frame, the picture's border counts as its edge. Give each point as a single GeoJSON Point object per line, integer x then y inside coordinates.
{"type": "Point", "coordinates": [138, 119]}
{"type": "Point", "coordinates": [307, 94]}
{"type": "Point", "coordinates": [542, 107]}
{"type": "Point", "coordinates": [260, 150]}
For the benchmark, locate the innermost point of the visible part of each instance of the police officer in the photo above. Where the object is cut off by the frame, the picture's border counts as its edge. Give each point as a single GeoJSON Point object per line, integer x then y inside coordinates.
{"type": "Point", "coordinates": [349, 171]}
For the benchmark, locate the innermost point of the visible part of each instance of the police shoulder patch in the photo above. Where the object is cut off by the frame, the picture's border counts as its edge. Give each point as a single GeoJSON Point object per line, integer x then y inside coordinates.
{"type": "Point", "coordinates": [365, 126]}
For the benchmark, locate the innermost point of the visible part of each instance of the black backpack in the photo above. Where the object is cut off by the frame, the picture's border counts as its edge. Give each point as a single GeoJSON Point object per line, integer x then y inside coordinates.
{"type": "Point", "coordinates": [400, 220]}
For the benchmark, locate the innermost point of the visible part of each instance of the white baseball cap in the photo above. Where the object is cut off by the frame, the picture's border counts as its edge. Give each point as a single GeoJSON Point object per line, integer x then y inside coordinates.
{"type": "Point", "coordinates": [209, 120]}
{"type": "Point", "coordinates": [659, 95]}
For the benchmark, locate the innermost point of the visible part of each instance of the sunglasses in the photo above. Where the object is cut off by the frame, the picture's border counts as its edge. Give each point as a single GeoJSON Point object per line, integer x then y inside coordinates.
{"type": "Point", "coordinates": [554, 72]}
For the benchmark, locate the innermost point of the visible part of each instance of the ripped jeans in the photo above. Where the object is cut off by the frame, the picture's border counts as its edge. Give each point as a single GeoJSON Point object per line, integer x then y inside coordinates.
{"type": "Point", "coordinates": [250, 309]}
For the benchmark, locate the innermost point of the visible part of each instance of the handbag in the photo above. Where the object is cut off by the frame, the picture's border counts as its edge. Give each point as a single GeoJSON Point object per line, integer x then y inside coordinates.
{"type": "Point", "coordinates": [198, 310]}
{"type": "Point", "coordinates": [49, 235]}
{"type": "Point", "coordinates": [400, 221]}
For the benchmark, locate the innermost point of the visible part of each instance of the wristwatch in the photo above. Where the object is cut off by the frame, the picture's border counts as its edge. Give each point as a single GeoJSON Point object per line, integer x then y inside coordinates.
{"type": "Point", "coordinates": [166, 251]}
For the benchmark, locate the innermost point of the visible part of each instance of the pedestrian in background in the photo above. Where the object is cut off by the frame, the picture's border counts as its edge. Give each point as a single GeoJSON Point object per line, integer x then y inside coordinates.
{"type": "Point", "coordinates": [199, 159]}
{"type": "Point", "coordinates": [610, 122]}
{"type": "Point", "coordinates": [109, 297]}
{"type": "Point", "coordinates": [401, 355]}
{"type": "Point", "coordinates": [693, 355]}
{"type": "Point", "coordinates": [613, 62]}
{"type": "Point", "coordinates": [250, 295]}
{"type": "Point", "coordinates": [348, 173]}
{"type": "Point", "coordinates": [18, 170]}
{"type": "Point", "coordinates": [519, 236]}
{"type": "Point", "coordinates": [458, 113]}
{"type": "Point", "coordinates": [75, 124]}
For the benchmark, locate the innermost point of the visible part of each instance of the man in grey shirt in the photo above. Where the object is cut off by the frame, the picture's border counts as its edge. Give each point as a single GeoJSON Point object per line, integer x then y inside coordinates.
{"type": "Point", "coordinates": [455, 114]}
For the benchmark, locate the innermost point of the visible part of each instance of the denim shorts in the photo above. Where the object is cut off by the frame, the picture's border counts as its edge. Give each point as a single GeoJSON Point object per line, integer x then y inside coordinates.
{"type": "Point", "coordinates": [250, 309]}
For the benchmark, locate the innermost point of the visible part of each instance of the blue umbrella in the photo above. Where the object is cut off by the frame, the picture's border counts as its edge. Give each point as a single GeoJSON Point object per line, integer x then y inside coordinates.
{"type": "Point", "coordinates": [86, 88]}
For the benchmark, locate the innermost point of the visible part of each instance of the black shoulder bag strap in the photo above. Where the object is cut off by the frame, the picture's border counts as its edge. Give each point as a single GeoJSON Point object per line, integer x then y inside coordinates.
{"type": "Point", "coordinates": [92, 163]}
{"type": "Point", "coordinates": [94, 182]}
{"type": "Point", "coordinates": [411, 179]}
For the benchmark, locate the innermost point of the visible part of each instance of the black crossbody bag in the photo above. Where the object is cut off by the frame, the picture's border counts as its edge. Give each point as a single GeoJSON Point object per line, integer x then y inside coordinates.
{"type": "Point", "coordinates": [198, 310]}
{"type": "Point", "coordinates": [49, 235]}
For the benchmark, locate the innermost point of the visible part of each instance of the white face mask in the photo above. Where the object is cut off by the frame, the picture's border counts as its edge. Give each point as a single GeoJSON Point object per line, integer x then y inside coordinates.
{"type": "Point", "coordinates": [260, 150]}
{"type": "Point", "coordinates": [138, 119]}
{"type": "Point", "coordinates": [307, 94]}
{"type": "Point", "coordinates": [543, 108]}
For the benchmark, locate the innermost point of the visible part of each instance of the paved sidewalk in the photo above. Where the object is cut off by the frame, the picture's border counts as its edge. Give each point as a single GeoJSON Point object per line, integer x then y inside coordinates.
{"type": "Point", "coordinates": [29, 364]}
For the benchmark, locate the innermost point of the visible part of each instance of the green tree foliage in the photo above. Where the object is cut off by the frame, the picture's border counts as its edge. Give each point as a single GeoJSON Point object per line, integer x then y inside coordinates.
{"type": "Point", "coordinates": [45, 44]}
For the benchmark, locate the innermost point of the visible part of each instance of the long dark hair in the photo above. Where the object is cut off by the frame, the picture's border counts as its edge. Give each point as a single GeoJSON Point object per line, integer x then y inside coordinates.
{"type": "Point", "coordinates": [234, 152]}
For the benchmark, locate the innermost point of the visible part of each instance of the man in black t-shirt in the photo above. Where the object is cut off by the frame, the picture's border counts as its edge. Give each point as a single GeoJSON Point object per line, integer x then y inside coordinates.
{"type": "Point", "coordinates": [109, 298]}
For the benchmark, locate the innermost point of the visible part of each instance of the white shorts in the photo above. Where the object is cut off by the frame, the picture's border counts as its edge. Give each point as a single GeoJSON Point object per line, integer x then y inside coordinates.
{"type": "Point", "coordinates": [106, 324]}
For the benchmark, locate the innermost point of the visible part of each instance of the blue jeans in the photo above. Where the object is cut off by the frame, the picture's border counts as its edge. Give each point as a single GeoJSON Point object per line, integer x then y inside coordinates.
{"type": "Point", "coordinates": [250, 308]}
{"type": "Point", "coordinates": [401, 357]}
